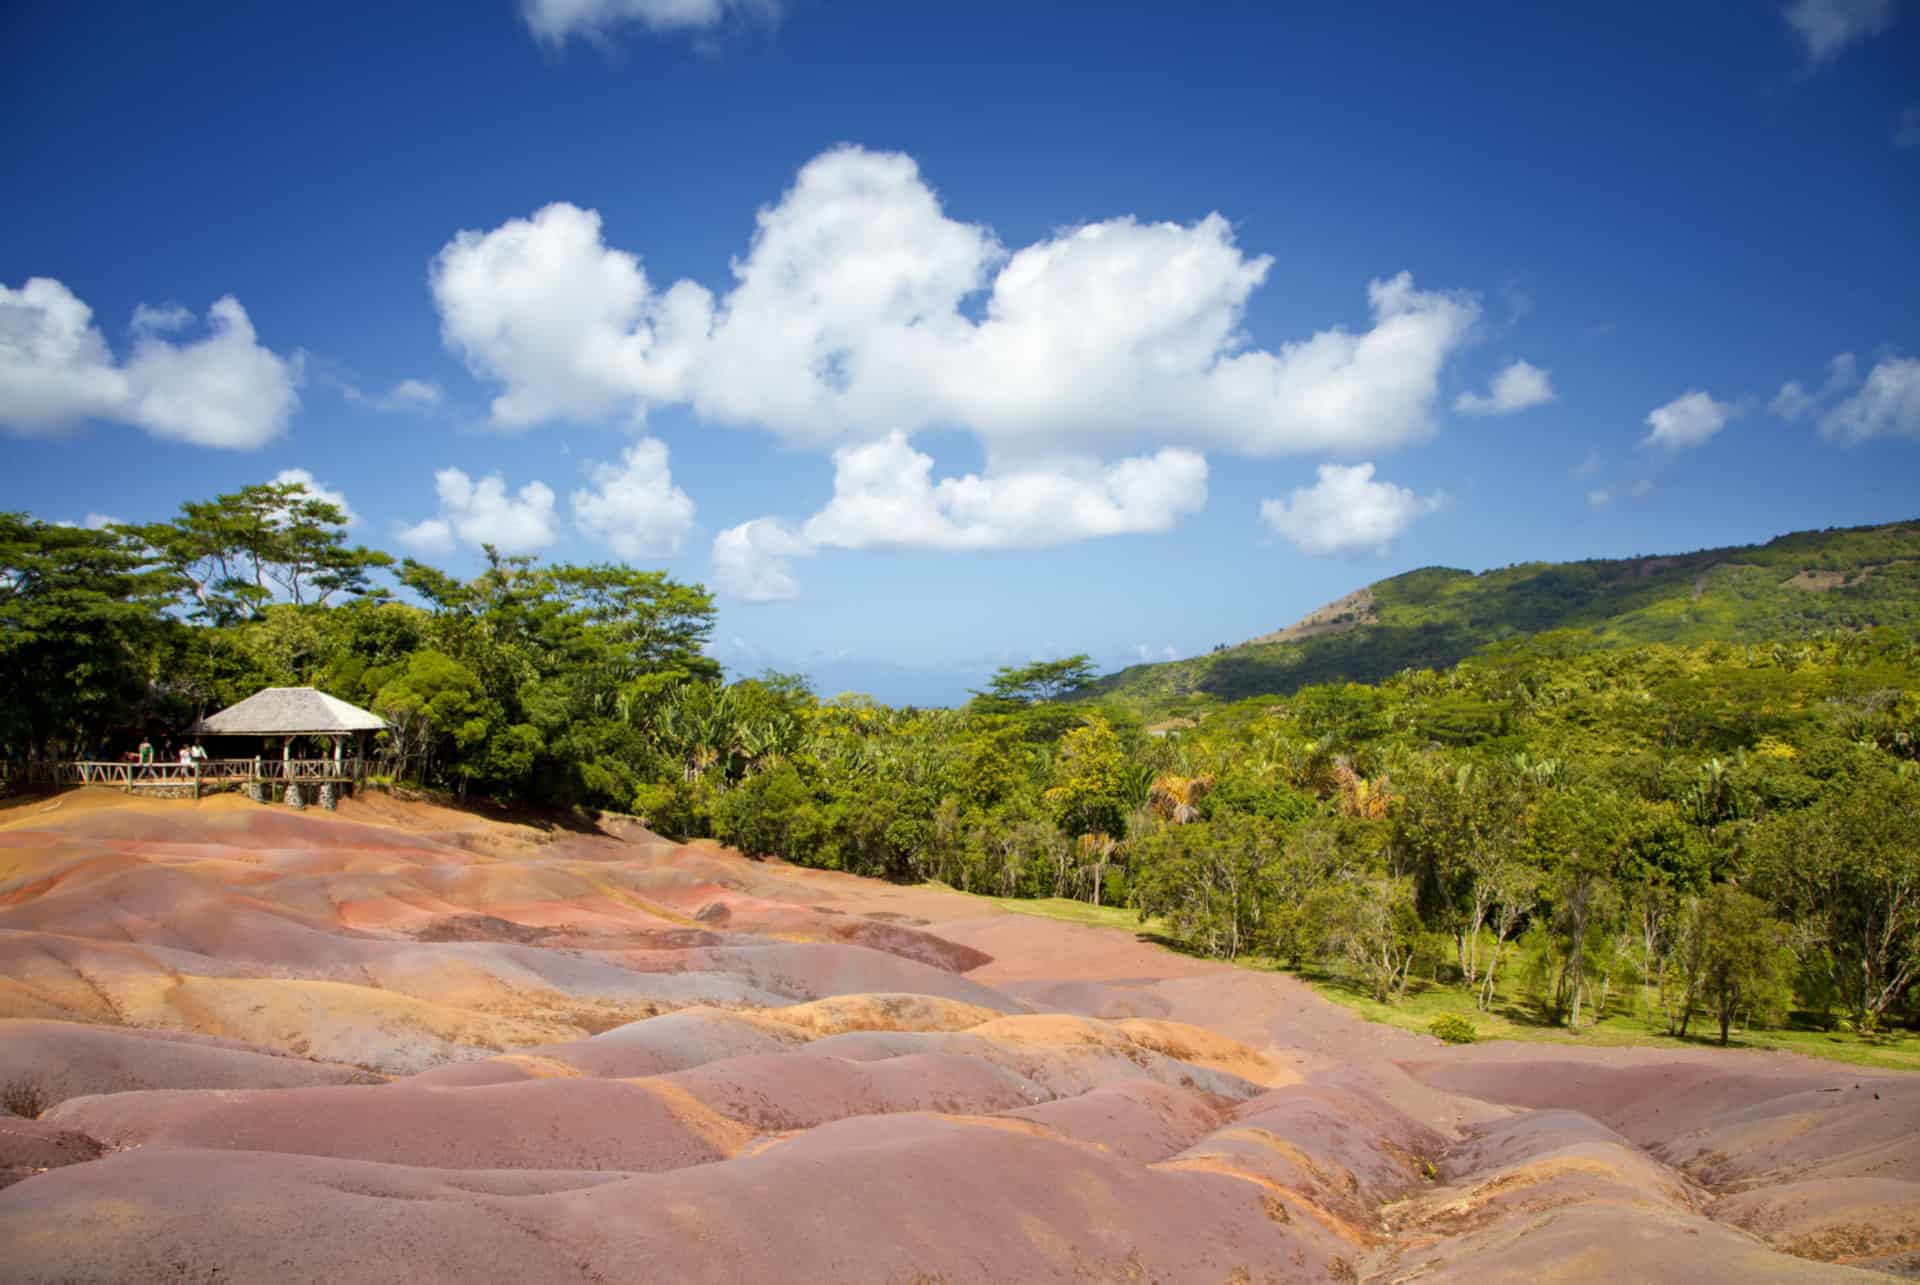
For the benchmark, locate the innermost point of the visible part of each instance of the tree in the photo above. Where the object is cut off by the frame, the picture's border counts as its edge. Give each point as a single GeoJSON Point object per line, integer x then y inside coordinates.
{"type": "Point", "coordinates": [81, 619]}
{"type": "Point", "coordinates": [1457, 828]}
{"type": "Point", "coordinates": [1373, 923]}
{"type": "Point", "coordinates": [1043, 680]}
{"type": "Point", "coordinates": [437, 707]}
{"type": "Point", "coordinates": [1513, 888]}
{"type": "Point", "coordinates": [761, 816]}
{"type": "Point", "coordinates": [1582, 834]}
{"type": "Point", "coordinates": [1089, 780]}
{"type": "Point", "coordinates": [1736, 956]}
{"type": "Point", "coordinates": [238, 552]}
{"type": "Point", "coordinates": [1847, 872]}
{"type": "Point", "coordinates": [1211, 881]}
{"type": "Point", "coordinates": [1310, 859]}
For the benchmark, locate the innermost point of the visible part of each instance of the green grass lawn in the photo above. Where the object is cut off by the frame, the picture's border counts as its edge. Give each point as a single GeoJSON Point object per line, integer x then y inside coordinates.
{"type": "Point", "coordinates": [1511, 1017]}
{"type": "Point", "coordinates": [1077, 912]}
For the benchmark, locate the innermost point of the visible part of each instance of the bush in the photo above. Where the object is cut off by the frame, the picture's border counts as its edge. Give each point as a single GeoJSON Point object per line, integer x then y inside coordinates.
{"type": "Point", "coordinates": [1453, 1029]}
{"type": "Point", "coordinates": [23, 1097]}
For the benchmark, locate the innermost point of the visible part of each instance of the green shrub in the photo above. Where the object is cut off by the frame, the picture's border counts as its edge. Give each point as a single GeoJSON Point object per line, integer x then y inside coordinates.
{"type": "Point", "coordinates": [1453, 1029]}
{"type": "Point", "coordinates": [23, 1097]}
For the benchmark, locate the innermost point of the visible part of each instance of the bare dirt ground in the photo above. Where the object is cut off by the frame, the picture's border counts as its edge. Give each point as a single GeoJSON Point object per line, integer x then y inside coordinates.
{"type": "Point", "coordinates": [404, 1043]}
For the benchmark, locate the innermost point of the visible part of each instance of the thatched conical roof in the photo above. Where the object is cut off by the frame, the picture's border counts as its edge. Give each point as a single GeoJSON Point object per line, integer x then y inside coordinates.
{"type": "Point", "coordinates": [289, 711]}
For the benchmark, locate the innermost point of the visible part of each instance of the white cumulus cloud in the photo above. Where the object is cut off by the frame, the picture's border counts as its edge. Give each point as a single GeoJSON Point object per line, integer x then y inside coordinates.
{"type": "Point", "coordinates": [1519, 387]}
{"type": "Point", "coordinates": [556, 20]}
{"type": "Point", "coordinates": [861, 308]}
{"type": "Point", "coordinates": [301, 477]}
{"type": "Point", "coordinates": [1826, 27]}
{"type": "Point", "coordinates": [432, 535]}
{"type": "Point", "coordinates": [56, 370]}
{"type": "Point", "coordinates": [633, 506]}
{"type": "Point", "coordinates": [1688, 420]}
{"type": "Point", "coordinates": [884, 494]}
{"type": "Point", "coordinates": [753, 560]}
{"type": "Point", "coordinates": [483, 512]}
{"type": "Point", "coordinates": [570, 328]}
{"type": "Point", "coordinates": [1347, 511]}
{"type": "Point", "coordinates": [1848, 410]}
{"type": "Point", "coordinates": [1095, 367]}
{"type": "Point", "coordinates": [1887, 405]}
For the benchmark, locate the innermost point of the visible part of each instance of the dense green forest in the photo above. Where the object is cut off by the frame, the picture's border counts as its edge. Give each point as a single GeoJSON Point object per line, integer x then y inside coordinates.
{"type": "Point", "coordinates": [1725, 832]}
{"type": "Point", "coordinates": [1807, 582]}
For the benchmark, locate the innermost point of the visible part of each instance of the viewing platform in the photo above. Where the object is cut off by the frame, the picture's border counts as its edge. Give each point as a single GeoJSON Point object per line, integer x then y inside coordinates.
{"type": "Point", "coordinates": [295, 780]}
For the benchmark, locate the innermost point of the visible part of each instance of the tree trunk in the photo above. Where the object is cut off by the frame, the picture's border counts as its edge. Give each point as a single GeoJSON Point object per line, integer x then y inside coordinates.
{"type": "Point", "coordinates": [1577, 954]}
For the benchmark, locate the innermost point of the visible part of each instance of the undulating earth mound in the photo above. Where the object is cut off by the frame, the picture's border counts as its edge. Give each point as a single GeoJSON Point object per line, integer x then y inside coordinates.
{"type": "Point", "coordinates": [402, 1043]}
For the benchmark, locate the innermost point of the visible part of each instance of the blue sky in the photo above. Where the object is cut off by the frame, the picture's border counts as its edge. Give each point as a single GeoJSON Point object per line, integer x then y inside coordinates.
{"type": "Point", "coordinates": [935, 337]}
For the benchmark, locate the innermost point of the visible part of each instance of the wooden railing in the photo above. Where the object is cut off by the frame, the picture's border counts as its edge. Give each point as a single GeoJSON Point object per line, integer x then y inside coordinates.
{"type": "Point", "coordinates": [204, 774]}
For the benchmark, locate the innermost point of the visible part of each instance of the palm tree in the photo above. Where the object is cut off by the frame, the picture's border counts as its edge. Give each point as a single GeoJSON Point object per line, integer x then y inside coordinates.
{"type": "Point", "coordinates": [1176, 799]}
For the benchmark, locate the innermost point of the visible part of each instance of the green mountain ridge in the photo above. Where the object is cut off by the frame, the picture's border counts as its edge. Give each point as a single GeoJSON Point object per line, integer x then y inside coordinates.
{"type": "Point", "coordinates": [1803, 583]}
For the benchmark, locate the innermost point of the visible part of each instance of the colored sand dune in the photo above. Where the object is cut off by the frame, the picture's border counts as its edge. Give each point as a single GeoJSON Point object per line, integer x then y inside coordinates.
{"type": "Point", "coordinates": [404, 1043]}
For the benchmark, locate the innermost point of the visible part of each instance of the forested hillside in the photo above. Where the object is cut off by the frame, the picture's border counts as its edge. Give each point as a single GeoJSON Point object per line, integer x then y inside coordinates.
{"type": "Point", "coordinates": [1793, 587]}
{"type": "Point", "coordinates": [1722, 823]}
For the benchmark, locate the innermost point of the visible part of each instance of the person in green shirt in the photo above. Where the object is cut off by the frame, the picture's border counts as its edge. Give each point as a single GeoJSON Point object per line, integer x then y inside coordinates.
{"type": "Point", "coordinates": [146, 750]}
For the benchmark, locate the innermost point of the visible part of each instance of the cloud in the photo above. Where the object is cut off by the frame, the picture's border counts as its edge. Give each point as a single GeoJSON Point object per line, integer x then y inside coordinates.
{"type": "Point", "coordinates": [433, 535]}
{"type": "Point", "coordinates": [1827, 27]}
{"type": "Point", "coordinates": [407, 395]}
{"type": "Point", "coordinates": [1094, 366]}
{"type": "Point", "coordinates": [56, 370]}
{"type": "Point", "coordinates": [1887, 405]}
{"type": "Point", "coordinates": [162, 320]}
{"type": "Point", "coordinates": [556, 20]}
{"type": "Point", "coordinates": [634, 507]}
{"type": "Point", "coordinates": [94, 522]}
{"type": "Point", "coordinates": [1518, 387]}
{"type": "Point", "coordinates": [1599, 498]}
{"type": "Point", "coordinates": [572, 329]}
{"type": "Point", "coordinates": [1849, 411]}
{"type": "Point", "coordinates": [302, 477]}
{"type": "Point", "coordinates": [1589, 464]}
{"type": "Point", "coordinates": [482, 513]}
{"type": "Point", "coordinates": [1794, 402]}
{"type": "Point", "coordinates": [884, 494]}
{"type": "Point", "coordinates": [1688, 420]}
{"type": "Point", "coordinates": [1906, 130]}
{"type": "Point", "coordinates": [1346, 511]}
{"type": "Point", "coordinates": [860, 308]}
{"type": "Point", "coordinates": [753, 560]}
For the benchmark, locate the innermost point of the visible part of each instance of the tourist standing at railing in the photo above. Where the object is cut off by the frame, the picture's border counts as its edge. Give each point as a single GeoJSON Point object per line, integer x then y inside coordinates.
{"type": "Point", "coordinates": [146, 751]}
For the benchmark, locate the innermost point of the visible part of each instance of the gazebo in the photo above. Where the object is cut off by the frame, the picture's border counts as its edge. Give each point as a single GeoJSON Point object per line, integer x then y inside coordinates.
{"type": "Point", "coordinates": [288, 713]}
